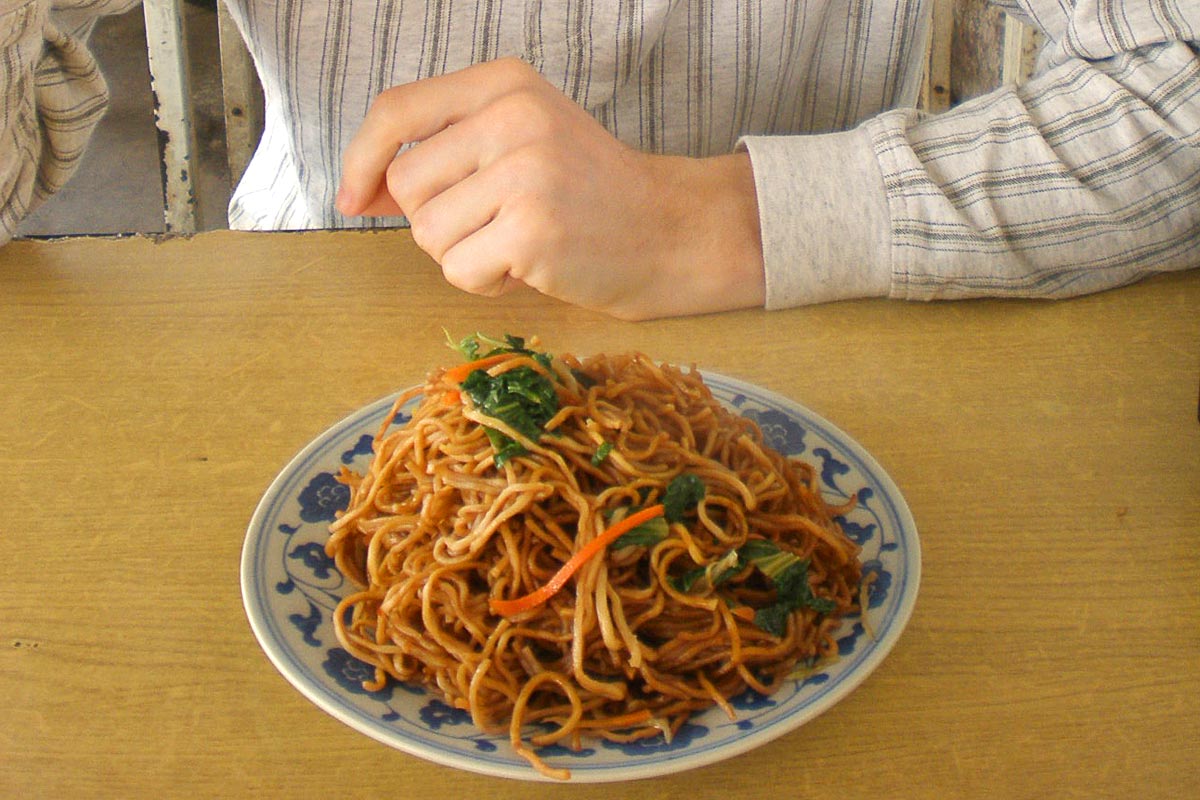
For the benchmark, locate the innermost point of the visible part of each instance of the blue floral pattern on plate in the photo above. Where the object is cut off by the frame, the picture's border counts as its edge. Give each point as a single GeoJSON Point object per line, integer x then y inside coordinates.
{"type": "Point", "coordinates": [290, 589]}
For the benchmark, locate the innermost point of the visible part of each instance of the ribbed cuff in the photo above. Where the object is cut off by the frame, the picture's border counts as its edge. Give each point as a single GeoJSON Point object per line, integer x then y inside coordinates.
{"type": "Point", "coordinates": [824, 217]}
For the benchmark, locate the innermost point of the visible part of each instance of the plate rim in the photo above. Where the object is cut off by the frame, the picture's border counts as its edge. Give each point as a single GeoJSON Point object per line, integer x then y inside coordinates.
{"type": "Point", "coordinates": [324, 696]}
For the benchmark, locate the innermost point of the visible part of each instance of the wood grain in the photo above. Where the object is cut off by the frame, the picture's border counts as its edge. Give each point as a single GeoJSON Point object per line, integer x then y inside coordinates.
{"type": "Point", "coordinates": [150, 391]}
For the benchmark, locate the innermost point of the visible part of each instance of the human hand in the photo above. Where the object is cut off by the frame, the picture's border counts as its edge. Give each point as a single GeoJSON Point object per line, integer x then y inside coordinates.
{"type": "Point", "coordinates": [508, 182]}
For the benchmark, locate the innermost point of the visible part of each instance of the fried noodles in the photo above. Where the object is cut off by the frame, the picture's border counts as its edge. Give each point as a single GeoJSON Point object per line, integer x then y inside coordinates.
{"type": "Point", "coordinates": [642, 635]}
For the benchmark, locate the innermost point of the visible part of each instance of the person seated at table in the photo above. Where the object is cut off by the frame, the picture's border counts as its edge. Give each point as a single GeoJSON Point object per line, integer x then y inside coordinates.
{"type": "Point", "coordinates": [651, 158]}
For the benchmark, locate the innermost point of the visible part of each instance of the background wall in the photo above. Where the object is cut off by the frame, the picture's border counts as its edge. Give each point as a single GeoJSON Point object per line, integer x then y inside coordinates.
{"type": "Point", "coordinates": [118, 188]}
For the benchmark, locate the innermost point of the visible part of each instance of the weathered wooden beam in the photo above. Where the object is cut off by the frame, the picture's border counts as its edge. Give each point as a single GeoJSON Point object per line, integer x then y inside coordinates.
{"type": "Point", "coordinates": [935, 92]}
{"type": "Point", "coordinates": [1021, 46]}
{"type": "Point", "coordinates": [242, 95]}
{"type": "Point", "coordinates": [166, 44]}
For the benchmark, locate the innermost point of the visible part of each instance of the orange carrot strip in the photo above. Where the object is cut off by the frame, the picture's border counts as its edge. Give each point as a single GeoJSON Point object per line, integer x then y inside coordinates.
{"type": "Point", "coordinates": [506, 608]}
{"type": "Point", "coordinates": [459, 372]}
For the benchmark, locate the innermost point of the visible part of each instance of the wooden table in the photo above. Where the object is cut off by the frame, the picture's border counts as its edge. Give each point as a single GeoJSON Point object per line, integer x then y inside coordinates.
{"type": "Point", "coordinates": [150, 391]}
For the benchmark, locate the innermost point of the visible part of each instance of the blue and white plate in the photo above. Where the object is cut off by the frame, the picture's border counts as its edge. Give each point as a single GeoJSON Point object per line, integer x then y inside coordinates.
{"type": "Point", "coordinates": [290, 588]}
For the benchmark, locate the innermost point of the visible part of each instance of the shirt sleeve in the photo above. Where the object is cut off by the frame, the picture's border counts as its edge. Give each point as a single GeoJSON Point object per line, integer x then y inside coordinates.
{"type": "Point", "coordinates": [52, 94]}
{"type": "Point", "coordinates": [1085, 178]}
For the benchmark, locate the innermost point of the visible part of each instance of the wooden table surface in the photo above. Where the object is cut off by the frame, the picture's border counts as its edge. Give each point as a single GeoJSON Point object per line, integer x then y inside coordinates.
{"type": "Point", "coordinates": [150, 391]}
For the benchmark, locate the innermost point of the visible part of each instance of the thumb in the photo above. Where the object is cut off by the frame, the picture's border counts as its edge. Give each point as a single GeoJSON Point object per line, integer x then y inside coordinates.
{"type": "Point", "coordinates": [380, 204]}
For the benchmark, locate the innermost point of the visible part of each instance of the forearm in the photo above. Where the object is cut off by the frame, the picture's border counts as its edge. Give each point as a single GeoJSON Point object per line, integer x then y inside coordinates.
{"type": "Point", "coordinates": [1086, 178]}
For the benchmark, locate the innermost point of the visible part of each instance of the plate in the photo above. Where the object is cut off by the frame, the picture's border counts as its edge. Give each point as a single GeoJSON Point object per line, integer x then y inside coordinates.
{"type": "Point", "coordinates": [290, 589]}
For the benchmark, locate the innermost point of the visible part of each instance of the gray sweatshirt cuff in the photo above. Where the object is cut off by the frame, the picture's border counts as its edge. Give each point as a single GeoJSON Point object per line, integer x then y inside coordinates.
{"type": "Point", "coordinates": [823, 215]}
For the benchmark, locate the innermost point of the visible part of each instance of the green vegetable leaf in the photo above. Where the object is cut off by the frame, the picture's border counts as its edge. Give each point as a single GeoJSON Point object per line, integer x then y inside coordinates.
{"type": "Point", "coordinates": [647, 534]}
{"type": "Point", "coordinates": [683, 494]}
{"type": "Point", "coordinates": [505, 447]}
{"type": "Point", "coordinates": [709, 576]}
{"type": "Point", "coordinates": [468, 348]}
{"type": "Point", "coordinates": [585, 380]}
{"type": "Point", "coordinates": [522, 398]}
{"type": "Point", "coordinates": [601, 453]}
{"type": "Point", "coordinates": [758, 550]}
{"type": "Point", "coordinates": [773, 619]}
{"type": "Point", "coordinates": [473, 347]}
{"type": "Point", "coordinates": [788, 573]}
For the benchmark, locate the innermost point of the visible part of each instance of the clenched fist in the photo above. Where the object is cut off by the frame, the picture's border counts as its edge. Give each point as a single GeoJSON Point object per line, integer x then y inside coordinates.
{"type": "Point", "coordinates": [508, 181]}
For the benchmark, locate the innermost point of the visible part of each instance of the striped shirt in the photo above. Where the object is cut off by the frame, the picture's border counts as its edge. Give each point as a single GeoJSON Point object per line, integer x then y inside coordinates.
{"type": "Point", "coordinates": [1084, 178]}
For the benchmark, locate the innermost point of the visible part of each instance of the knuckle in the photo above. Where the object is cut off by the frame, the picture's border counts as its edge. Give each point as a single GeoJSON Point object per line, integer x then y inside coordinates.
{"type": "Point", "coordinates": [469, 277]}
{"type": "Point", "coordinates": [537, 170]}
{"type": "Point", "coordinates": [515, 72]}
{"type": "Point", "coordinates": [396, 186]}
{"type": "Point", "coordinates": [389, 101]}
{"type": "Point", "coordinates": [540, 234]}
{"type": "Point", "coordinates": [526, 113]}
{"type": "Point", "coordinates": [426, 235]}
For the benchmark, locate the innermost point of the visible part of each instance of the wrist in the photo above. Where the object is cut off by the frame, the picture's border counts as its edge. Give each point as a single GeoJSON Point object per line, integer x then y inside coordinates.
{"type": "Point", "coordinates": [713, 259]}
